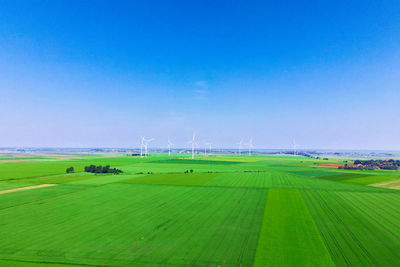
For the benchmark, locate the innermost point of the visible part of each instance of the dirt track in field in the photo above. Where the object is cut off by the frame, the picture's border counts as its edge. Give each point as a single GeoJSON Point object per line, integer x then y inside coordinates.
{"type": "Point", "coordinates": [394, 184]}
{"type": "Point", "coordinates": [25, 188]}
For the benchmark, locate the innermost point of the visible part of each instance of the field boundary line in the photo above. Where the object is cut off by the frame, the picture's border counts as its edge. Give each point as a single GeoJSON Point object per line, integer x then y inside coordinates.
{"type": "Point", "coordinates": [25, 188]}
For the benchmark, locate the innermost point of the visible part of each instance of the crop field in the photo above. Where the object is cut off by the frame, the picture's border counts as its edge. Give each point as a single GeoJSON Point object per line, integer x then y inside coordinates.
{"type": "Point", "coordinates": [221, 210]}
{"type": "Point", "coordinates": [173, 179]}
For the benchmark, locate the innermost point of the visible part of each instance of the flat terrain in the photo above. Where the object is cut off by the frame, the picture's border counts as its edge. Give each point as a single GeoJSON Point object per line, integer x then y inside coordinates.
{"type": "Point", "coordinates": [231, 211]}
{"type": "Point", "coordinates": [13, 190]}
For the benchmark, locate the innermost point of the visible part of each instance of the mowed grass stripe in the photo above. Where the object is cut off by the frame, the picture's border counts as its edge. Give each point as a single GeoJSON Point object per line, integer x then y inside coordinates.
{"type": "Point", "coordinates": [137, 225]}
{"type": "Point", "coordinates": [352, 235]}
{"type": "Point", "coordinates": [381, 218]}
{"type": "Point", "coordinates": [281, 179]}
{"type": "Point", "coordinates": [172, 179]}
{"type": "Point", "coordinates": [237, 253]}
{"type": "Point", "coordinates": [288, 235]}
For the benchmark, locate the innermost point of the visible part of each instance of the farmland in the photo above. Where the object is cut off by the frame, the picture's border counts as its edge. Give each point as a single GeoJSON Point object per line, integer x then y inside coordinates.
{"type": "Point", "coordinates": [230, 211]}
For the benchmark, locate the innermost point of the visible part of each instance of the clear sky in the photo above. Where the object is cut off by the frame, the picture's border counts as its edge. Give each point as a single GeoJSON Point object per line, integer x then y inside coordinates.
{"type": "Point", "coordinates": [103, 73]}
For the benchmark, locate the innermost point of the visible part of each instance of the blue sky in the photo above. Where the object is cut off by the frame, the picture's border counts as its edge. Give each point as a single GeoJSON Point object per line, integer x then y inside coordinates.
{"type": "Point", "coordinates": [103, 73]}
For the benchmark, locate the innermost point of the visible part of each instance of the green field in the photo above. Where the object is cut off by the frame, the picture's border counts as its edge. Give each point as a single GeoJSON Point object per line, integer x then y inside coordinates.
{"type": "Point", "coordinates": [231, 211]}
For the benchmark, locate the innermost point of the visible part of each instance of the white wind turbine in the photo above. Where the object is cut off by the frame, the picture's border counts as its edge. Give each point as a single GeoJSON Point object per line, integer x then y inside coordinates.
{"type": "Point", "coordinates": [250, 145]}
{"type": "Point", "coordinates": [169, 147]}
{"type": "Point", "coordinates": [295, 147]}
{"type": "Point", "coordinates": [193, 142]}
{"type": "Point", "coordinates": [146, 143]}
{"type": "Point", "coordinates": [205, 148]}
{"type": "Point", "coordinates": [240, 146]}
{"type": "Point", "coordinates": [141, 145]}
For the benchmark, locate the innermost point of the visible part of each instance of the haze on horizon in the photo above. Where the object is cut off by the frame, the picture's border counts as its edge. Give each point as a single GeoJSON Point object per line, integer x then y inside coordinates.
{"type": "Point", "coordinates": [102, 73]}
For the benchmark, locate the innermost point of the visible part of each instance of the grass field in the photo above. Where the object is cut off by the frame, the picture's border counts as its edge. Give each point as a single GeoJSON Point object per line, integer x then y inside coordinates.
{"type": "Point", "coordinates": [231, 211]}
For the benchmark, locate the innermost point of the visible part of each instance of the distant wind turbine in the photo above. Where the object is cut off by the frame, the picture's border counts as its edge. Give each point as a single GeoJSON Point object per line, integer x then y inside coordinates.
{"type": "Point", "coordinates": [250, 145]}
{"type": "Point", "coordinates": [141, 146]}
{"type": "Point", "coordinates": [193, 142]}
{"type": "Point", "coordinates": [205, 148]}
{"type": "Point", "coordinates": [169, 147]}
{"type": "Point", "coordinates": [146, 143]}
{"type": "Point", "coordinates": [240, 146]}
{"type": "Point", "coordinates": [295, 147]}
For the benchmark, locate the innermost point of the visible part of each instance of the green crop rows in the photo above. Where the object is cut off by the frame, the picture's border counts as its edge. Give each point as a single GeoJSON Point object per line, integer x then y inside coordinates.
{"type": "Point", "coordinates": [231, 211]}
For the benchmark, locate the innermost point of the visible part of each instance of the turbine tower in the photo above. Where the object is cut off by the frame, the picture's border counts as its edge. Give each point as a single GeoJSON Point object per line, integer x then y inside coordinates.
{"type": "Point", "coordinates": [169, 147]}
{"type": "Point", "coordinates": [250, 144]}
{"type": "Point", "coordinates": [193, 142]}
{"type": "Point", "coordinates": [205, 148]}
{"type": "Point", "coordinates": [141, 146]}
{"type": "Point", "coordinates": [240, 146]}
{"type": "Point", "coordinates": [146, 143]}
{"type": "Point", "coordinates": [294, 147]}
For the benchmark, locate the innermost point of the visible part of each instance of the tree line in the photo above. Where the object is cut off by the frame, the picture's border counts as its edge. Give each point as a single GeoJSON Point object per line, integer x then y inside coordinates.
{"type": "Point", "coordinates": [97, 169]}
{"type": "Point", "coordinates": [101, 169]}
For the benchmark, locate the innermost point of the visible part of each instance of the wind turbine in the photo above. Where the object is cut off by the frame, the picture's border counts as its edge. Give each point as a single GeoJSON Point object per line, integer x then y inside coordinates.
{"type": "Point", "coordinates": [294, 147]}
{"type": "Point", "coordinates": [250, 144]}
{"type": "Point", "coordinates": [205, 148]}
{"type": "Point", "coordinates": [169, 147]}
{"type": "Point", "coordinates": [240, 146]}
{"type": "Point", "coordinates": [146, 143]}
{"type": "Point", "coordinates": [193, 142]}
{"type": "Point", "coordinates": [141, 146]}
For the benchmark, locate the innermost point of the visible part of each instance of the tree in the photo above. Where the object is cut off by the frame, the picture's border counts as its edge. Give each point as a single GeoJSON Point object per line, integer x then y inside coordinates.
{"type": "Point", "coordinates": [70, 170]}
{"type": "Point", "coordinates": [99, 169]}
{"type": "Point", "coordinates": [92, 168]}
{"type": "Point", "coordinates": [116, 171]}
{"type": "Point", "coordinates": [106, 169]}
